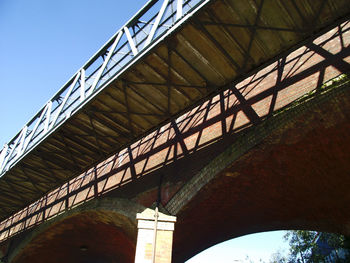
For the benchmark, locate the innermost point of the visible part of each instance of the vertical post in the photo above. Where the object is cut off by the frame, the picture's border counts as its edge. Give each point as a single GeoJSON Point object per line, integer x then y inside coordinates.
{"type": "Point", "coordinates": [95, 183]}
{"type": "Point", "coordinates": [179, 9]}
{"type": "Point", "coordinates": [82, 84]}
{"type": "Point", "coordinates": [155, 237]}
{"type": "Point", "coordinates": [156, 215]}
{"type": "Point", "coordinates": [66, 201]}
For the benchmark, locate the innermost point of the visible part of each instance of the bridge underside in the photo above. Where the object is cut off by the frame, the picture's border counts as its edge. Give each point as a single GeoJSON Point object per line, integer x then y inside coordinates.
{"type": "Point", "coordinates": [221, 43]}
{"type": "Point", "coordinates": [80, 239]}
{"type": "Point", "coordinates": [100, 231]}
{"type": "Point", "coordinates": [295, 178]}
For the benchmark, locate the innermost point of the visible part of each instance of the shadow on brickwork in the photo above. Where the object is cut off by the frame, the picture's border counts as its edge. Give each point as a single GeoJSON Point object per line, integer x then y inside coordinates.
{"type": "Point", "coordinates": [208, 127]}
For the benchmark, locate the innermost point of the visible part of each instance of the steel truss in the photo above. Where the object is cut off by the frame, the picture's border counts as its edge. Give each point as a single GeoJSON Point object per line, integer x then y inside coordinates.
{"type": "Point", "coordinates": [171, 56]}
{"type": "Point", "coordinates": [135, 38]}
{"type": "Point", "coordinates": [172, 140]}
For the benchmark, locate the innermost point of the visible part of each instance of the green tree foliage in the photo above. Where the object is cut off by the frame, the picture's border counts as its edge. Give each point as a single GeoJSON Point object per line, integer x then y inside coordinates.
{"type": "Point", "coordinates": [306, 247]}
{"type": "Point", "coordinates": [278, 257]}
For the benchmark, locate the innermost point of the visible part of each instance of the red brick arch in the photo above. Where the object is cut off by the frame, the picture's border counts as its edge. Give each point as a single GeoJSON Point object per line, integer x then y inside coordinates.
{"type": "Point", "coordinates": [297, 177]}
{"type": "Point", "coordinates": [102, 231]}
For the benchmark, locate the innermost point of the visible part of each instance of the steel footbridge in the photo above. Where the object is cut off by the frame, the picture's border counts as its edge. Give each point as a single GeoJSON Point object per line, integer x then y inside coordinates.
{"type": "Point", "coordinates": [170, 56]}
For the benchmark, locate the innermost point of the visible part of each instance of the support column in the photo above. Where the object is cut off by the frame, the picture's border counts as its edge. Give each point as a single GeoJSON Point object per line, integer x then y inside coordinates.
{"type": "Point", "coordinates": [158, 228]}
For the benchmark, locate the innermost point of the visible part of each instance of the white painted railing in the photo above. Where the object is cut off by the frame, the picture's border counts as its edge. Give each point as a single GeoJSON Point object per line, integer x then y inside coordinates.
{"type": "Point", "coordinates": [153, 21]}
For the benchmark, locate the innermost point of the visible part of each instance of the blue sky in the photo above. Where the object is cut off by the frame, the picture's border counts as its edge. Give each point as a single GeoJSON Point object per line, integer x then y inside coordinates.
{"type": "Point", "coordinates": [42, 44]}
{"type": "Point", "coordinates": [255, 246]}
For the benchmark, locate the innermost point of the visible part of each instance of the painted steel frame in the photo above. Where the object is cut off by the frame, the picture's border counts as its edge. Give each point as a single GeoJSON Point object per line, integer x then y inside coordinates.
{"type": "Point", "coordinates": [39, 209]}
{"type": "Point", "coordinates": [134, 40]}
{"type": "Point", "coordinates": [128, 45]}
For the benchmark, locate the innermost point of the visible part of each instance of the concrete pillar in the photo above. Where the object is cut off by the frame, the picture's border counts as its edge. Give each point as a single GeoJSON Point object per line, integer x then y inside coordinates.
{"type": "Point", "coordinates": [154, 228]}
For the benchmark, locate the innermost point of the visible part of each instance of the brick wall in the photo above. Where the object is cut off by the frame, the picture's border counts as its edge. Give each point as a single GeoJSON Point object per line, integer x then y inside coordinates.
{"type": "Point", "coordinates": [243, 104]}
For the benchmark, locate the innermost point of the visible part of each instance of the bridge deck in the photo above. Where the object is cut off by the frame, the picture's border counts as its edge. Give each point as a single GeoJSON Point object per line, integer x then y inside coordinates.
{"type": "Point", "coordinates": [136, 83]}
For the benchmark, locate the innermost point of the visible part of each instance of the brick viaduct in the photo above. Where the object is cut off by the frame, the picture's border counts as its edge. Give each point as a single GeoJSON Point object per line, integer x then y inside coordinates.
{"type": "Point", "coordinates": [268, 153]}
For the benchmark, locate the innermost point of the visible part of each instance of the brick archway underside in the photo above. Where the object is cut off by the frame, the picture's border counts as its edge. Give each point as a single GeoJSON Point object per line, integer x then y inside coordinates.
{"type": "Point", "coordinates": [103, 230]}
{"type": "Point", "coordinates": [296, 178]}
{"type": "Point", "coordinates": [80, 239]}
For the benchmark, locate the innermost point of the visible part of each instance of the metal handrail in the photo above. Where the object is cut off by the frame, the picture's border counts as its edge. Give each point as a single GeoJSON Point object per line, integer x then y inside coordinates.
{"type": "Point", "coordinates": [126, 46]}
